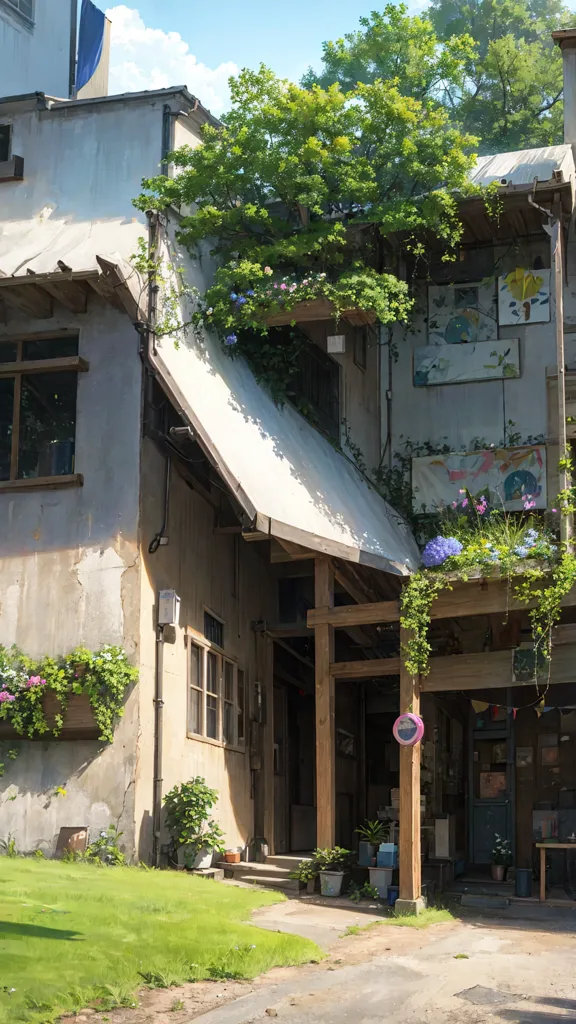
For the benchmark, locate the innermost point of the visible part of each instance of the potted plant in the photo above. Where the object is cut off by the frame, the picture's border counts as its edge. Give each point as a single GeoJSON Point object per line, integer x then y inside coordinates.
{"type": "Point", "coordinates": [332, 865]}
{"type": "Point", "coordinates": [371, 833]}
{"type": "Point", "coordinates": [196, 836]}
{"type": "Point", "coordinates": [501, 857]}
{"type": "Point", "coordinates": [306, 872]}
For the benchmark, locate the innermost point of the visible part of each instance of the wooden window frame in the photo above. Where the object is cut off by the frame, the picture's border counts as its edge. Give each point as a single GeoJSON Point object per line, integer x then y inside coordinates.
{"type": "Point", "coordinates": [196, 639]}
{"type": "Point", "coordinates": [24, 367]}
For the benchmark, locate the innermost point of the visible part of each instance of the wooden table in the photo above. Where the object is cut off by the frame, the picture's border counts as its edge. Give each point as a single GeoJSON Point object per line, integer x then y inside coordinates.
{"type": "Point", "coordinates": [549, 846]}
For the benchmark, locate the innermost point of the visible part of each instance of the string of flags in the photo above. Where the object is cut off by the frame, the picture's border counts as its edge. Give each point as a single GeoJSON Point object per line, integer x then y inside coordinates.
{"type": "Point", "coordinates": [540, 707]}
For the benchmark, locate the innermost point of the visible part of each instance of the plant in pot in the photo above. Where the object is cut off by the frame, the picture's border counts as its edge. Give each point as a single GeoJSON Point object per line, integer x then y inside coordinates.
{"type": "Point", "coordinates": [306, 872]}
{"type": "Point", "coordinates": [332, 864]}
{"type": "Point", "coordinates": [371, 833]}
{"type": "Point", "coordinates": [501, 857]}
{"type": "Point", "coordinates": [196, 836]}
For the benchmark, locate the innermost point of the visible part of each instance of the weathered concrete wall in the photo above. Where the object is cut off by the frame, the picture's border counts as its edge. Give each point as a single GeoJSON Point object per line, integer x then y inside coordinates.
{"type": "Point", "coordinates": [200, 565]}
{"type": "Point", "coordinates": [36, 57]}
{"type": "Point", "coordinates": [69, 575]}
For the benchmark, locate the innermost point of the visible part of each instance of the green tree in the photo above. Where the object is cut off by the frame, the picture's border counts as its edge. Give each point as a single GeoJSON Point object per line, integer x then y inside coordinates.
{"type": "Point", "coordinates": [492, 63]}
{"type": "Point", "coordinates": [297, 192]}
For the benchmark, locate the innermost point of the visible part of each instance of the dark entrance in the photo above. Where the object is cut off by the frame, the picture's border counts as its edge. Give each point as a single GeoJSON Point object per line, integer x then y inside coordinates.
{"type": "Point", "coordinates": [491, 782]}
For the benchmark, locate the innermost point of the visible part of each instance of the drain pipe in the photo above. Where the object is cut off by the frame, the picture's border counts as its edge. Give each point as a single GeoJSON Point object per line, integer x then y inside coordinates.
{"type": "Point", "coordinates": [158, 736]}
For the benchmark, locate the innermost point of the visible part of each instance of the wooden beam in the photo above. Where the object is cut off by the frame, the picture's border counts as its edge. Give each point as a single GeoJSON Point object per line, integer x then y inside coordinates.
{"type": "Point", "coordinates": [354, 614]}
{"type": "Point", "coordinates": [29, 299]}
{"type": "Point", "coordinates": [286, 551]}
{"type": "Point", "coordinates": [365, 669]}
{"type": "Point", "coordinates": [71, 294]}
{"type": "Point", "coordinates": [475, 597]}
{"type": "Point", "coordinates": [73, 363]}
{"type": "Point", "coordinates": [264, 795]}
{"type": "Point", "coordinates": [325, 711]}
{"type": "Point", "coordinates": [409, 841]}
{"type": "Point", "coordinates": [493, 670]}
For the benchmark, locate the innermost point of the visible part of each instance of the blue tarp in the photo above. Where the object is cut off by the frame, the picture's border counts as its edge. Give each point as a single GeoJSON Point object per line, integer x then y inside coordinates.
{"type": "Point", "coordinates": [90, 42]}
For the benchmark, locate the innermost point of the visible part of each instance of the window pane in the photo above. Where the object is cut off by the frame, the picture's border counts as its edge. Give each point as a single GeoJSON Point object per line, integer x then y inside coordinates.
{"type": "Point", "coordinates": [212, 677]}
{"type": "Point", "coordinates": [228, 722]}
{"type": "Point", "coordinates": [195, 712]}
{"type": "Point", "coordinates": [240, 717]}
{"type": "Point", "coordinates": [195, 666]}
{"type": "Point", "coordinates": [228, 680]}
{"type": "Point", "coordinates": [8, 351]}
{"type": "Point", "coordinates": [50, 348]}
{"type": "Point", "coordinates": [6, 414]}
{"type": "Point", "coordinates": [213, 630]}
{"type": "Point", "coordinates": [212, 717]}
{"type": "Point", "coordinates": [47, 424]}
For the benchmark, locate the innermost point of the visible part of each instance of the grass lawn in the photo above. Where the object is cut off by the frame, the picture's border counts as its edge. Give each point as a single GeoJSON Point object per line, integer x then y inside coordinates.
{"type": "Point", "coordinates": [73, 933]}
{"type": "Point", "coordinates": [432, 915]}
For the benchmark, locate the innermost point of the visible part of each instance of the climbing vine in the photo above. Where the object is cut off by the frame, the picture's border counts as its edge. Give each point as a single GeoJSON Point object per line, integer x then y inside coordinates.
{"type": "Point", "coordinates": [103, 675]}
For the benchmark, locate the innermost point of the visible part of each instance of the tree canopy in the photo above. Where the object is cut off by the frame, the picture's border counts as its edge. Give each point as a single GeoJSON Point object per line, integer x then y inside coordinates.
{"type": "Point", "coordinates": [492, 64]}
{"type": "Point", "coordinates": [296, 192]}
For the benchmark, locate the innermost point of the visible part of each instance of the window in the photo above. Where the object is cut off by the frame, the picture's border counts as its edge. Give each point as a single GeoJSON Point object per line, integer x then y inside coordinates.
{"type": "Point", "coordinates": [5, 140]}
{"type": "Point", "coordinates": [216, 698]}
{"type": "Point", "coordinates": [213, 629]}
{"type": "Point", "coordinates": [38, 384]}
{"type": "Point", "coordinates": [25, 8]}
{"type": "Point", "coordinates": [318, 387]}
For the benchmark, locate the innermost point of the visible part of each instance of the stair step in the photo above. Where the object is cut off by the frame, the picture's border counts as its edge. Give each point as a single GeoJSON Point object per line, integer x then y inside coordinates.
{"type": "Point", "coordinates": [486, 902]}
{"type": "Point", "coordinates": [256, 869]}
{"type": "Point", "coordinates": [290, 861]}
{"type": "Point", "coordinates": [274, 881]}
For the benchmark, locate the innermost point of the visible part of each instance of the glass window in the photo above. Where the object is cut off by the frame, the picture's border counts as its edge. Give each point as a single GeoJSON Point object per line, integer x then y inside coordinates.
{"type": "Point", "coordinates": [212, 695]}
{"type": "Point", "coordinates": [5, 138]}
{"type": "Point", "coordinates": [6, 420]}
{"type": "Point", "coordinates": [50, 348]}
{"type": "Point", "coordinates": [228, 711]}
{"type": "Point", "coordinates": [213, 629]}
{"type": "Point", "coordinates": [23, 7]}
{"type": "Point", "coordinates": [196, 691]}
{"type": "Point", "coordinates": [240, 736]}
{"type": "Point", "coordinates": [8, 352]}
{"type": "Point", "coordinates": [361, 347]}
{"type": "Point", "coordinates": [47, 424]}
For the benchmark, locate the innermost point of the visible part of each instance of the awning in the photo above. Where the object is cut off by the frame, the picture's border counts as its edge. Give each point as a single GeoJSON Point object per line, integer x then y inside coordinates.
{"type": "Point", "coordinates": [288, 478]}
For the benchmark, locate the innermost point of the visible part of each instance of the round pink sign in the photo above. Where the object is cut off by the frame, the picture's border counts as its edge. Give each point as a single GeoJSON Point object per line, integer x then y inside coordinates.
{"type": "Point", "coordinates": [408, 729]}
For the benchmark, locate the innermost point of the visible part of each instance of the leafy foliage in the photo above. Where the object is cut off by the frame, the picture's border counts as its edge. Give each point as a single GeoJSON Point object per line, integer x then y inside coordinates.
{"type": "Point", "coordinates": [103, 675]}
{"type": "Point", "coordinates": [492, 64]}
{"type": "Point", "coordinates": [295, 193]}
{"type": "Point", "coordinates": [374, 832]}
{"type": "Point", "coordinates": [187, 808]}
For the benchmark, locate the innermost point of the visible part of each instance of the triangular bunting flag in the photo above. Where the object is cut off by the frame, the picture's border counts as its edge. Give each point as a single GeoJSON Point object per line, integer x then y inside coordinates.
{"type": "Point", "coordinates": [479, 706]}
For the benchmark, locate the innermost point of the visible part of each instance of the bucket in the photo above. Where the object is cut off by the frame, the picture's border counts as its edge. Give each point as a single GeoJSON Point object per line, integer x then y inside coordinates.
{"type": "Point", "coordinates": [381, 878]}
{"type": "Point", "coordinates": [366, 854]}
{"type": "Point", "coordinates": [331, 882]}
{"type": "Point", "coordinates": [393, 891]}
{"type": "Point", "coordinates": [523, 886]}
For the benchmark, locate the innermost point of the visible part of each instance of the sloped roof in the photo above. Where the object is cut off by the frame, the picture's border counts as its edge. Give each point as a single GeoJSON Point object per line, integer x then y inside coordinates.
{"type": "Point", "coordinates": [522, 166]}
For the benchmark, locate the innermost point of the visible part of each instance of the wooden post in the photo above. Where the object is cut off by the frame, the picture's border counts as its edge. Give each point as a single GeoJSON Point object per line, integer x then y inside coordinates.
{"type": "Point", "coordinates": [264, 803]}
{"type": "Point", "coordinates": [410, 900]}
{"type": "Point", "coordinates": [325, 710]}
{"type": "Point", "coordinates": [563, 476]}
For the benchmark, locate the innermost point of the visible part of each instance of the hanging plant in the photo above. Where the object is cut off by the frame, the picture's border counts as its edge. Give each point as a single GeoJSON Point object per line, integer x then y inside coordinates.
{"type": "Point", "coordinates": [103, 676]}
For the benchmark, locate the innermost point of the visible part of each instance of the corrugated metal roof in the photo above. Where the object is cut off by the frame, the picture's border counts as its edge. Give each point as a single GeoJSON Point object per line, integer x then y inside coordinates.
{"type": "Point", "coordinates": [523, 165]}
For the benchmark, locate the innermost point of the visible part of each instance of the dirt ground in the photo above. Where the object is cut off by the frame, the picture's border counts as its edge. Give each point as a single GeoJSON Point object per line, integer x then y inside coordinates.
{"type": "Point", "coordinates": [468, 971]}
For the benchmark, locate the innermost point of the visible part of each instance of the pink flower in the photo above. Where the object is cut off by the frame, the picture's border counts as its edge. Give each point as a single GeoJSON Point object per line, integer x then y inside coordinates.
{"type": "Point", "coordinates": [529, 504]}
{"type": "Point", "coordinates": [268, 270]}
{"type": "Point", "coordinates": [461, 491]}
{"type": "Point", "coordinates": [5, 696]}
{"type": "Point", "coordinates": [465, 502]}
{"type": "Point", "coordinates": [454, 504]}
{"type": "Point", "coordinates": [554, 509]}
{"type": "Point", "coordinates": [283, 287]}
{"type": "Point", "coordinates": [35, 681]}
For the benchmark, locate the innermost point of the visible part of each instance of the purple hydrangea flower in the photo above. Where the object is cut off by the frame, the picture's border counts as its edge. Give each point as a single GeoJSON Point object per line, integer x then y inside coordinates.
{"type": "Point", "coordinates": [231, 339]}
{"type": "Point", "coordinates": [233, 296]}
{"type": "Point", "coordinates": [241, 300]}
{"type": "Point", "coordinates": [521, 551]}
{"type": "Point", "coordinates": [250, 292]}
{"type": "Point", "coordinates": [438, 550]}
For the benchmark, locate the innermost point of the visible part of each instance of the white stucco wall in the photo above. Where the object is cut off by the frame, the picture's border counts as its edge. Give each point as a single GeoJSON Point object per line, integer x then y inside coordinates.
{"type": "Point", "coordinates": [36, 57]}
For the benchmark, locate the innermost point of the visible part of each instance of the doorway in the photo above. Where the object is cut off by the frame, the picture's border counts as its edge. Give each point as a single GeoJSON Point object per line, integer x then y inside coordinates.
{"type": "Point", "coordinates": [491, 782]}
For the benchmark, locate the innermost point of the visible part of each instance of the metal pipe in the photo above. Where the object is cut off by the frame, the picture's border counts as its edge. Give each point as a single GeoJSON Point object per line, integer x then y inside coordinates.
{"type": "Point", "coordinates": [563, 475]}
{"type": "Point", "coordinates": [158, 737]}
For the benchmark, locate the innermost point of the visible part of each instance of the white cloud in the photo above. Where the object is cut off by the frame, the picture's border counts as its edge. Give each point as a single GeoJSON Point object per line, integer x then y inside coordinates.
{"type": "Point", "coordinates": [148, 58]}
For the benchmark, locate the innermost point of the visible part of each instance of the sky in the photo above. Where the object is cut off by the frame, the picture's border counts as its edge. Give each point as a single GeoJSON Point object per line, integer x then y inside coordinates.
{"type": "Point", "coordinates": [157, 43]}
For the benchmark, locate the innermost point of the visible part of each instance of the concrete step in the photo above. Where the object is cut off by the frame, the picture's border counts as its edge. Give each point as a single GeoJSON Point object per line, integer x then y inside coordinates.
{"type": "Point", "coordinates": [256, 869]}
{"type": "Point", "coordinates": [290, 861]}
{"type": "Point", "coordinates": [484, 902]}
{"type": "Point", "coordinates": [272, 881]}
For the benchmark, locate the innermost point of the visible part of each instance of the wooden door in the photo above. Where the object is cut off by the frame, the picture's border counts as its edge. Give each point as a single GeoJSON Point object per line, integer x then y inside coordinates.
{"type": "Point", "coordinates": [281, 804]}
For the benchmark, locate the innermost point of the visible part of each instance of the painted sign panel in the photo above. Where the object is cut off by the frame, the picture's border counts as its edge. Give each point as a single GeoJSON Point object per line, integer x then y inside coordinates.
{"type": "Point", "coordinates": [408, 729]}
{"type": "Point", "coordinates": [524, 297]}
{"type": "Point", "coordinates": [459, 314]}
{"type": "Point", "coordinates": [503, 475]}
{"type": "Point", "coordinates": [455, 364]}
